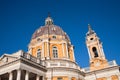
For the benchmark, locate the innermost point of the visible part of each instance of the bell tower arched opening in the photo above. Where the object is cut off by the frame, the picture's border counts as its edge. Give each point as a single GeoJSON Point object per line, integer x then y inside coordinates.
{"type": "Point", "coordinates": [95, 52]}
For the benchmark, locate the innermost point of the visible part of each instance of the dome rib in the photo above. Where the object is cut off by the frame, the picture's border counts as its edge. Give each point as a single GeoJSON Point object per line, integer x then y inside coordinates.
{"type": "Point", "coordinates": [49, 29]}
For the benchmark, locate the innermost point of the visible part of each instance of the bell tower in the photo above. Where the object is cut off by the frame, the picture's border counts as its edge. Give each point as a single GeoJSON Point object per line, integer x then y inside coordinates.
{"type": "Point", "coordinates": [95, 50]}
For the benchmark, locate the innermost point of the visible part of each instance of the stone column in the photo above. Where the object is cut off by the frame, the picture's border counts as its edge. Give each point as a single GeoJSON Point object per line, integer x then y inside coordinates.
{"type": "Point", "coordinates": [48, 49]}
{"type": "Point", "coordinates": [43, 77]}
{"type": "Point", "coordinates": [27, 75]}
{"type": "Point", "coordinates": [73, 53]}
{"type": "Point", "coordinates": [66, 50]}
{"type": "Point", "coordinates": [43, 54]}
{"type": "Point", "coordinates": [63, 49]}
{"type": "Point", "coordinates": [0, 77]}
{"type": "Point", "coordinates": [10, 76]}
{"type": "Point", "coordinates": [19, 74]}
{"type": "Point", "coordinates": [37, 77]}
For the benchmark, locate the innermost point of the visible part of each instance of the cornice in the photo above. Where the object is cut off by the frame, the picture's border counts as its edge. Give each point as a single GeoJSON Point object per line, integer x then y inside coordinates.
{"type": "Point", "coordinates": [102, 70]}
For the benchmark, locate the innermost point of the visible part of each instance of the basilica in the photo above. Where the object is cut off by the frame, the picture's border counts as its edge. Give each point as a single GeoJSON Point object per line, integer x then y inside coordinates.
{"type": "Point", "coordinates": [50, 56]}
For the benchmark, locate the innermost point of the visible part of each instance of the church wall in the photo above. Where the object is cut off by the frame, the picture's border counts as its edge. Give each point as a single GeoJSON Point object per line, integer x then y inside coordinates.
{"type": "Point", "coordinates": [111, 74]}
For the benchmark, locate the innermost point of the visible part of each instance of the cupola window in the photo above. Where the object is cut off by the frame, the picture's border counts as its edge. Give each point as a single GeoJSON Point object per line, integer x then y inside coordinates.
{"type": "Point", "coordinates": [95, 52]}
{"type": "Point", "coordinates": [39, 53]}
{"type": "Point", "coordinates": [54, 37]}
{"type": "Point", "coordinates": [55, 52]}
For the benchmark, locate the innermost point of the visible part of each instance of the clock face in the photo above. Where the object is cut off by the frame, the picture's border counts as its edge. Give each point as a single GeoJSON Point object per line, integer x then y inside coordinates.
{"type": "Point", "coordinates": [97, 64]}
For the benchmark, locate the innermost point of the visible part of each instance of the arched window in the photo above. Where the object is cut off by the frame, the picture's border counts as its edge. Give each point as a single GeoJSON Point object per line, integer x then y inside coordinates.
{"type": "Point", "coordinates": [39, 53]}
{"type": "Point", "coordinates": [54, 37]}
{"type": "Point", "coordinates": [55, 52]}
{"type": "Point", "coordinates": [95, 52]}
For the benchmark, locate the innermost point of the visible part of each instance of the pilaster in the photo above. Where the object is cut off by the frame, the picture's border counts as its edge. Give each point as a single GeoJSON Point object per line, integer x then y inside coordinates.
{"type": "Point", "coordinates": [63, 49]}
{"type": "Point", "coordinates": [66, 50]}
{"type": "Point", "coordinates": [73, 54]}
{"type": "Point", "coordinates": [43, 54]}
{"type": "Point", "coordinates": [47, 49]}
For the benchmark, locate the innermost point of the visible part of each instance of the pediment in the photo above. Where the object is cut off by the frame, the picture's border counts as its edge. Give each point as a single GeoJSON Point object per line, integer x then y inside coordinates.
{"type": "Point", "coordinates": [5, 58]}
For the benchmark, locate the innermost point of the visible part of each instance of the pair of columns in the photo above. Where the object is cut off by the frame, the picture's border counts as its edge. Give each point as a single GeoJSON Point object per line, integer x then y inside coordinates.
{"type": "Point", "coordinates": [27, 76]}
{"type": "Point", "coordinates": [19, 75]}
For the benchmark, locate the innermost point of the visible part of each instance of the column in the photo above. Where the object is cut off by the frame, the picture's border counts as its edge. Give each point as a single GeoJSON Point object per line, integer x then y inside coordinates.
{"type": "Point", "coordinates": [27, 75]}
{"type": "Point", "coordinates": [63, 49]}
{"type": "Point", "coordinates": [37, 77]}
{"type": "Point", "coordinates": [66, 50]}
{"type": "Point", "coordinates": [18, 74]}
{"type": "Point", "coordinates": [43, 77]}
{"type": "Point", "coordinates": [73, 54]}
{"type": "Point", "coordinates": [10, 76]}
{"type": "Point", "coordinates": [0, 77]}
{"type": "Point", "coordinates": [43, 56]}
{"type": "Point", "coordinates": [47, 49]}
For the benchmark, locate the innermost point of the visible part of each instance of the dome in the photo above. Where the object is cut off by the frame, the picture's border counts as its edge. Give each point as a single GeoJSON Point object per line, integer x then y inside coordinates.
{"type": "Point", "coordinates": [49, 29]}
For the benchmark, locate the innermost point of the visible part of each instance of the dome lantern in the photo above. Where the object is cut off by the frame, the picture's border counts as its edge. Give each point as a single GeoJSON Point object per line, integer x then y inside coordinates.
{"type": "Point", "coordinates": [49, 20]}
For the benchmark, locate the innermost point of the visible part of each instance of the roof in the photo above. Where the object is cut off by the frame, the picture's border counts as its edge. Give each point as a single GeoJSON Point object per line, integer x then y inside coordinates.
{"type": "Point", "coordinates": [50, 30]}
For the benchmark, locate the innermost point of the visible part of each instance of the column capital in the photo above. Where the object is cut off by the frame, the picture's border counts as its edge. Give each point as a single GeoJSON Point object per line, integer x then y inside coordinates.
{"type": "Point", "coordinates": [9, 72]}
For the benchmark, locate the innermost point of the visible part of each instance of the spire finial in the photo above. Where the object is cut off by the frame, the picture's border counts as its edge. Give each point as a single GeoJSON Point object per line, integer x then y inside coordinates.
{"type": "Point", "coordinates": [90, 31]}
{"type": "Point", "coordinates": [48, 20]}
{"type": "Point", "coordinates": [89, 27]}
{"type": "Point", "coordinates": [48, 14]}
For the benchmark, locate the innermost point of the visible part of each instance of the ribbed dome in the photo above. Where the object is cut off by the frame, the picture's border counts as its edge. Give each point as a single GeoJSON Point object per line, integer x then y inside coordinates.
{"type": "Point", "coordinates": [49, 29]}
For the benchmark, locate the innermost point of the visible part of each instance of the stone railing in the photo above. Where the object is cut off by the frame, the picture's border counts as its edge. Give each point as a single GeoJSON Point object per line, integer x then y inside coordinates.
{"type": "Point", "coordinates": [19, 55]}
{"type": "Point", "coordinates": [87, 69]}
{"type": "Point", "coordinates": [63, 64]}
{"type": "Point", "coordinates": [29, 57]}
{"type": "Point", "coordinates": [110, 64]}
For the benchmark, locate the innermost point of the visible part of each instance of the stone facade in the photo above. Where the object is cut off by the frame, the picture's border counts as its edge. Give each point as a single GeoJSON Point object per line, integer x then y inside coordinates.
{"type": "Point", "coordinates": [50, 56]}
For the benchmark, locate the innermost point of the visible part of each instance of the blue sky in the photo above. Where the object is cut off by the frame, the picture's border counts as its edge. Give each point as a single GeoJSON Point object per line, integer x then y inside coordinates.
{"type": "Point", "coordinates": [20, 18]}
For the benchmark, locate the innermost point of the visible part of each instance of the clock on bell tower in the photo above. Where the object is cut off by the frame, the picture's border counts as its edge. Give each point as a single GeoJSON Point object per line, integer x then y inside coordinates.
{"type": "Point", "coordinates": [95, 50]}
